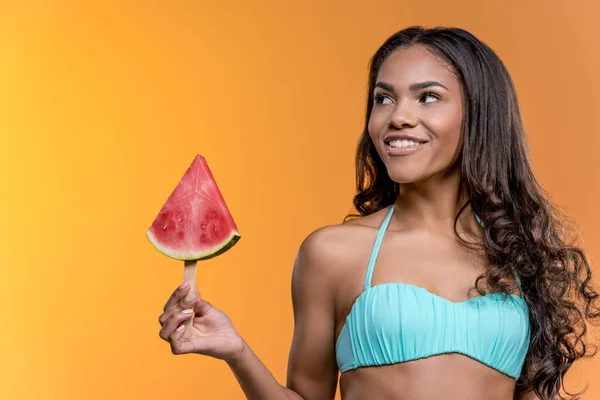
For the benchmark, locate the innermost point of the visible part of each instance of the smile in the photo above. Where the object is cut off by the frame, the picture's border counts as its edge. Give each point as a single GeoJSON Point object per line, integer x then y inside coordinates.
{"type": "Point", "coordinates": [403, 147]}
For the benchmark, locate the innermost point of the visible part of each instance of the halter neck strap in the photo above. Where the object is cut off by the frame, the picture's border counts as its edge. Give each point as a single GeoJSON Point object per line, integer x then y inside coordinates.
{"type": "Point", "coordinates": [376, 246]}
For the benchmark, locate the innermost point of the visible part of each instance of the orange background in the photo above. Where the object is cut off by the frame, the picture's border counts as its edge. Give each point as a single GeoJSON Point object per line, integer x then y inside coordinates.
{"type": "Point", "coordinates": [104, 105]}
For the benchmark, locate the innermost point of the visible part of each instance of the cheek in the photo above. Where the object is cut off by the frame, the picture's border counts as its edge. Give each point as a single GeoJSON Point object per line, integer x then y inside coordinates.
{"type": "Point", "coordinates": [448, 131]}
{"type": "Point", "coordinates": [378, 122]}
{"type": "Point", "coordinates": [375, 125]}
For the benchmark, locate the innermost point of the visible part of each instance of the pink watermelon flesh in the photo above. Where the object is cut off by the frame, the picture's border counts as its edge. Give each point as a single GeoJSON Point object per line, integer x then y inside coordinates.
{"type": "Point", "coordinates": [194, 223]}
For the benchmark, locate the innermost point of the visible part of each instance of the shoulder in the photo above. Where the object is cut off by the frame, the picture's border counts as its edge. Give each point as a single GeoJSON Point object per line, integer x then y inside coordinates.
{"type": "Point", "coordinates": [330, 249]}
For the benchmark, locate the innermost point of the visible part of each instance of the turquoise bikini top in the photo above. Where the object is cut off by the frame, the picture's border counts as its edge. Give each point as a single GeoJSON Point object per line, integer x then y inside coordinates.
{"type": "Point", "coordinates": [396, 322]}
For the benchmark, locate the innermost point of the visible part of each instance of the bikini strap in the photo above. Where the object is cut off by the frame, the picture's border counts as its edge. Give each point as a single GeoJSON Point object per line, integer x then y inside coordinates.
{"type": "Point", "coordinates": [514, 271]}
{"type": "Point", "coordinates": [376, 246]}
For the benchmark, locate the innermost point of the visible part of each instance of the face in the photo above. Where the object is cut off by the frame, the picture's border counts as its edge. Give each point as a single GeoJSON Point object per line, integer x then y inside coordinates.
{"type": "Point", "coordinates": [417, 115]}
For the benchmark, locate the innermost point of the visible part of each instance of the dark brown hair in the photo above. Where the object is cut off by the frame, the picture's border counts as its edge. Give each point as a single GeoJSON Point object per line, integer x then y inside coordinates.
{"type": "Point", "coordinates": [522, 229]}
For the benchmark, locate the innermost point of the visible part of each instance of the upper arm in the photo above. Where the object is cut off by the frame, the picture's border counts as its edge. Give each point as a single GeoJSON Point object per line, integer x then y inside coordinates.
{"type": "Point", "coordinates": [312, 368]}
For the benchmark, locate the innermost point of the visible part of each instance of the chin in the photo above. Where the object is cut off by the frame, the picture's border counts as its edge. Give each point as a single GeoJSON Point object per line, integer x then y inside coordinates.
{"type": "Point", "coordinates": [407, 175]}
{"type": "Point", "coordinates": [403, 179]}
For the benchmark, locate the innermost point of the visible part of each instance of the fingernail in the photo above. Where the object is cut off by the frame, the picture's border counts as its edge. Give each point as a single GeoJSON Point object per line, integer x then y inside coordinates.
{"type": "Point", "coordinates": [180, 328]}
{"type": "Point", "coordinates": [184, 285]}
{"type": "Point", "coordinates": [188, 311]}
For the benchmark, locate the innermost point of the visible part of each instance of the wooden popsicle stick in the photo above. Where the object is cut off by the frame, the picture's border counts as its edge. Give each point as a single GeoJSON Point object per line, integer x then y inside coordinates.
{"type": "Point", "coordinates": [189, 275]}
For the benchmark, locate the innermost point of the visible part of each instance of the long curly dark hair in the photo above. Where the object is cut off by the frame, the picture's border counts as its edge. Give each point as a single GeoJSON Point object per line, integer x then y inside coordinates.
{"type": "Point", "coordinates": [522, 230]}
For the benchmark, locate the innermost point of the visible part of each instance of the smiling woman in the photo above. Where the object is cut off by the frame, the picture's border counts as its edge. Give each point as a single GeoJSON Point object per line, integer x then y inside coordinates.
{"type": "Point", "coordinates": [405, 143]}
{"type": "Point", "coordinates": [402, 100]}
{"type": "Point", "coordinates": [447, 205]}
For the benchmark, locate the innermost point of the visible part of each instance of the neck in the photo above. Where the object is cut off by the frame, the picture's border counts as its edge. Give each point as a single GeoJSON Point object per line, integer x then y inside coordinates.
{"type": "Point", "coordinates": [433, 204]}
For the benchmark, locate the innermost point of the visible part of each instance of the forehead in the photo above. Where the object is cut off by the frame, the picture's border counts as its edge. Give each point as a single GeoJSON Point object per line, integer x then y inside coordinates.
{"type": "Point", "coordinates": [414, 64]}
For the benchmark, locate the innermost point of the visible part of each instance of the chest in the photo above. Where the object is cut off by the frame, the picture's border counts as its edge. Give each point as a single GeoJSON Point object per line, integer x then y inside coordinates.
{"type": "Point", "coordinates": [440, 265]}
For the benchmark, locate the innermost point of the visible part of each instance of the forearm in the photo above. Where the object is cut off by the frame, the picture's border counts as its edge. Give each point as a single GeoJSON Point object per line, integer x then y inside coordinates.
{"type": "Point", "coordinates": [256, 380]}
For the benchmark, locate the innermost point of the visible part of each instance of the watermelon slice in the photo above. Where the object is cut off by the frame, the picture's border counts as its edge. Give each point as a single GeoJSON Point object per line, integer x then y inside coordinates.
{"type": "Point", "coordinates": [194, 223]}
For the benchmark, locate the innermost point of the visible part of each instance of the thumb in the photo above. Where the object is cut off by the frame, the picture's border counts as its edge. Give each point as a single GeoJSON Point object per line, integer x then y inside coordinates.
{"type": "Point", "coordinates": [201, 307]}
{"type": "Point", "coordinates": [193, 294]}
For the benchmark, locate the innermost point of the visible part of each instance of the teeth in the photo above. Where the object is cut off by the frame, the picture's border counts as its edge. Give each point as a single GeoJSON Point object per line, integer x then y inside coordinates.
{"type": "Point", "coordinates": [403, 143]}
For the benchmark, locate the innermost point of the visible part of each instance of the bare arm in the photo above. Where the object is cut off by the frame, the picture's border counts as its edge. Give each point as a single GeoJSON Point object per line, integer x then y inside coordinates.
{"type": "Point", "coordinates": [256, 380]}
{"type": "Point", "coordinates": [312, 370]}
{"type": "Point", "coordinates": [312, 367]}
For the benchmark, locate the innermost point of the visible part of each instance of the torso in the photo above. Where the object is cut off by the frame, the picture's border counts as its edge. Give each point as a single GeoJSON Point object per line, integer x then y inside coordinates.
{"type": "Point", "coordinates": [441, 265]}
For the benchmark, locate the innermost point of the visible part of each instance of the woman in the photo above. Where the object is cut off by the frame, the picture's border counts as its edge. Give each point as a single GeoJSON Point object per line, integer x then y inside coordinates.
{"type": "Point", "coordinates": [454, 281]}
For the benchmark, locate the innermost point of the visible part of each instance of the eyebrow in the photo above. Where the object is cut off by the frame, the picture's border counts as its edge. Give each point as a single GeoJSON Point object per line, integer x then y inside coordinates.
{"type": "Point", "coordinates": [413, 87]}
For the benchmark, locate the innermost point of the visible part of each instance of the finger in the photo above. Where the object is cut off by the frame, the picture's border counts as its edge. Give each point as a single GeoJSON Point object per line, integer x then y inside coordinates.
{"type": "Point", "coordinates": [177, 294]}
{"type": "Point", "coordinates": [178, 302]}
{"type": "Point", "coordinates": [196, 292]}
{"type": "Point", "coordinates": [173, 322]}
{"type": "Point", "coordinates": [172, 310]}
{"type": "Point", "coordinates": [202, 307]}
{"type": "Point", "coordinates": [190, 297]}
{"type": "Point", "coordinates": [188, 301]}
{"type": "Point", "coordinates": [180, 345]}
{"type": "Point", "coordinates": [176, 308]}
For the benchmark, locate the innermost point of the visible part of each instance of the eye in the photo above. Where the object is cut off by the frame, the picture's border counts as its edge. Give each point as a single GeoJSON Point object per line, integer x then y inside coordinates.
{"type": "Point", "coordinates": [379, 98]}
{"type": "Point", "coordinates": [429, 95]}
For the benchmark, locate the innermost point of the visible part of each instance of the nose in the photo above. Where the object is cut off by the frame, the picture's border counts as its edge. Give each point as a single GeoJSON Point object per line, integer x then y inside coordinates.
{"type": "Point", "coordinates": [402, 117]}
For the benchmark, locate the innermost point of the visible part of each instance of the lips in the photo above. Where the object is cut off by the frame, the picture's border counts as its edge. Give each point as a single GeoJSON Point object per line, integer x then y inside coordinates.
{"type": "Point", "coordinates": [403, 144]}
{"type": "Point", "coordinates": [403, 136]}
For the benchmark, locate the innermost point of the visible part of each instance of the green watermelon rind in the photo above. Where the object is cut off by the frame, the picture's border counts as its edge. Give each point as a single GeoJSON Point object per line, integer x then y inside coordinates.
{"type": "Point", "coordinates": [204, 255]}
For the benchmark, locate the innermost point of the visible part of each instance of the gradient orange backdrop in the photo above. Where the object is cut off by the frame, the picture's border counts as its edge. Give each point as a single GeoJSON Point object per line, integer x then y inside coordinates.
{"type": "Point", "coordinates": [104, 105]}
